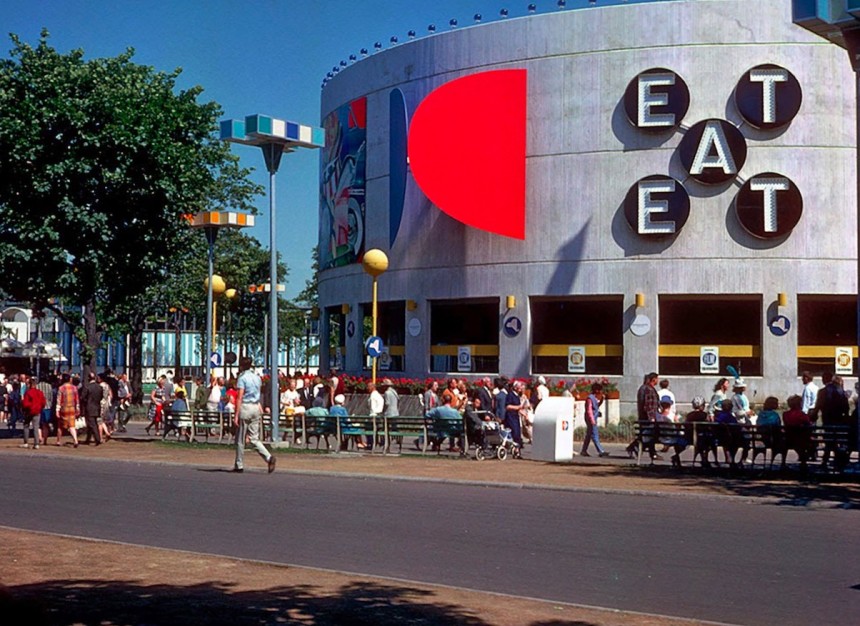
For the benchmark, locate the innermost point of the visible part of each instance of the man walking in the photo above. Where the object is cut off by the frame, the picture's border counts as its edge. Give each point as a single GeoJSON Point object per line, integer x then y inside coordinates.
{"type": "Point", "coordinates": [249, 415]}
{"type": "Point", "coordinates": [33, 403]}
{"type": "Point", "coordinates": [91, 403]}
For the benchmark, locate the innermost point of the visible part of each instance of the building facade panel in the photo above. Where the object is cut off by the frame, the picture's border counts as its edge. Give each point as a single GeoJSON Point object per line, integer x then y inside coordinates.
{"type": "Point", "coordinates": [583, 157]}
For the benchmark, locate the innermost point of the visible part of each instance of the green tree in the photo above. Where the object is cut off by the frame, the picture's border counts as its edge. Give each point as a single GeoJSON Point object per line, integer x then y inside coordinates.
{"type": "Point", "coordinates": [239, 259]}
{"type": "Point", "coordinates": [295, 318]}
{"type": "Point", "coordinates": [100, 160]}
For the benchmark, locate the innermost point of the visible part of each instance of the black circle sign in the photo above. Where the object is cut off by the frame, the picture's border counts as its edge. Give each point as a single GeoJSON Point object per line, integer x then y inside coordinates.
{"type": "Point", "coordinates": [768, 96]}
{"type": "Point", "coordinates": [769, 206]}
{"type": "Point", "coordinates": [656, 100]}
{"type": "Point", "coordinates": [713, 151]}
{"type": "Point", "coordinates": [657, 206]}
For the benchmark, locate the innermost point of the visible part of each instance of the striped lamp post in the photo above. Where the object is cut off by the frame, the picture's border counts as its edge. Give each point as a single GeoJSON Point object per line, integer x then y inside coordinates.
{"type": "Point", "coordinates": [274, 137]}
{"type": "Point", "coordinates": [211, 222]}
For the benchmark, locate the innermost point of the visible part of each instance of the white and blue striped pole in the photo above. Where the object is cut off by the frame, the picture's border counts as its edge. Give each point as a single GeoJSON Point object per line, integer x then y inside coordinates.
{"type": "Point", "coordinates": [275, 137]}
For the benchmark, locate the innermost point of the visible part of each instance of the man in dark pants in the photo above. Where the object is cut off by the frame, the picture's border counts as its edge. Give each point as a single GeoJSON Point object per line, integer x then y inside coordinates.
{"type": "Point", "coordinates": [91, 405]}
{"type": "Point", "coordinates": [832, 405]}
{"type": "Point", "coordinates": [647, 405]}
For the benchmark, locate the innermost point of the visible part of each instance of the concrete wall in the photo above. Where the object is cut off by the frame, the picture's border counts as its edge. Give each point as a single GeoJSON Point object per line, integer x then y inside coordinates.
{"type": "Point", "coordinates": [583, 156]}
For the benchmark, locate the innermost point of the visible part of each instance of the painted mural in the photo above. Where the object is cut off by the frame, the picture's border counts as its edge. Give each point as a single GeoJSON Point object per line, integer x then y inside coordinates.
{"type": "Point", "coordinates": [342, 202]}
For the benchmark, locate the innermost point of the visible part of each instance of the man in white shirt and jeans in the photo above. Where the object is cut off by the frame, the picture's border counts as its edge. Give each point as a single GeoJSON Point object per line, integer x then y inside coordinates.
{"type": "Point", "coordinates": [249, 416]}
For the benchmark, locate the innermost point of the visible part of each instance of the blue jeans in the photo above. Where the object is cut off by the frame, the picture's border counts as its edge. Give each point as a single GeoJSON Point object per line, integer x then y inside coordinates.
{"type": "Point", "coordinates": [591, 434]}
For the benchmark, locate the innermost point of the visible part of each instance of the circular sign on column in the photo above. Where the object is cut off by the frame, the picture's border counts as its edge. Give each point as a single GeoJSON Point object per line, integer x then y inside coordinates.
{"type": "Point", "coordinates": [641, 325]}
{"type": "Point", "coordinates": [414, 327]}
{"type": "Point", "coordinates": [780, 325]}
{"type": "Point", "coordinates": [768, 97]}
{"type": "Point", "coordinates": [769, 205]}
{"type": "Point", "coordinates": [713, 151]}
{"type": "Point", "coordinates": [656, 100]}
{"type": "Point", "coordinates": [657, 205]}
{"type": "Point", "coordinates": [512, 326]}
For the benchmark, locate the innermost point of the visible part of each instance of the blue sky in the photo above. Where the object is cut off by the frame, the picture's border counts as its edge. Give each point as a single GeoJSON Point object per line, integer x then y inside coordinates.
{"type": "Point", "coordinates": [253, 56]}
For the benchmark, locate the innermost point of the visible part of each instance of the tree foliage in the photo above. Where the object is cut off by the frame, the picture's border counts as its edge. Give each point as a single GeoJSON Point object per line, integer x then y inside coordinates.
{"type": "Point", "coordinates": [99, 161]}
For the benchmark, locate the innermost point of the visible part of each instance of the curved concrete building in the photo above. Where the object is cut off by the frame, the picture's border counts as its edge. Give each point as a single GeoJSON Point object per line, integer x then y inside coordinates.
{"type": "Point", "coordinates": [687, 202]}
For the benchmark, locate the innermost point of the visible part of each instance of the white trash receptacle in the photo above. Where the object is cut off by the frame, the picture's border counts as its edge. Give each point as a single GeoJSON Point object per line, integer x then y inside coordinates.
{"type": "Point", "coordinates": [552, 431]}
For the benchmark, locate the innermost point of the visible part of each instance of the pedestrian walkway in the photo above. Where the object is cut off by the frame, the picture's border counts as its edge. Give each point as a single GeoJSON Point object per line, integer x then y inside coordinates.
{"type": "Point", "coordinates": [611, 474]}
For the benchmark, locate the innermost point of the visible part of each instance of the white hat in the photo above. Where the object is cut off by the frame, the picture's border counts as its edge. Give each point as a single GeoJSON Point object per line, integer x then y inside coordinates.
{"type": "Point", "coordinates": [739, 383]}
{"type": "Point", "coordinates": [541, 380]}
{"type": "Point", "coordinates": [339, 399]}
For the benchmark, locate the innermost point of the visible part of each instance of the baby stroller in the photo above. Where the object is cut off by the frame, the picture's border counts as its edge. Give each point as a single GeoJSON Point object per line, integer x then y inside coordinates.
{"type": "Point", "coordinates": [495, 442]}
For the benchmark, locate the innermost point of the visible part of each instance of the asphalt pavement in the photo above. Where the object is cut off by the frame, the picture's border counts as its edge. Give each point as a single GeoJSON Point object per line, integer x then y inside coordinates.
{"type": "Point", "coordinates": [742, 561]}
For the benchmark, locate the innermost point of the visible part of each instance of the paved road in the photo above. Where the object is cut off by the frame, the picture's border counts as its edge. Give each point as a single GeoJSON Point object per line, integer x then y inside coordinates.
{"type": "Point", "coordinates": [716, 559]}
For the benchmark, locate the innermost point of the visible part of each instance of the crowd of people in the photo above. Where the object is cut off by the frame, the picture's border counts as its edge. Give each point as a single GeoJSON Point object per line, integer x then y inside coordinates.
{"type": "Point", "coordinates": [828, 405]}
{"type": "Point", "coordinates": [506, 402]}
{"type": "Point", "coordinates": [60, 404]}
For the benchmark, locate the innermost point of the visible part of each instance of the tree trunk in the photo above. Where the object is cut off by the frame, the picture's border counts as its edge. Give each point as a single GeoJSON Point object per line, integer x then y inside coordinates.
{"type": "Point", "coordinates": [135, 361]}
{"type": "Point", "coordinates": [91, 345]}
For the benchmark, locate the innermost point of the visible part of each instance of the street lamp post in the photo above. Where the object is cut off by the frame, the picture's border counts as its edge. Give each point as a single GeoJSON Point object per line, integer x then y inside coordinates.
{"type": "Point", "coordinates": [274, 137]}
{"type": "Point", "coordinates": [229, 293]}
{"type": "Point", "coordinates": [211, 222]}
{"type": "Point", "coordinates": [215, 287]}
{"type": "Point", "coordinates": [375, 262]}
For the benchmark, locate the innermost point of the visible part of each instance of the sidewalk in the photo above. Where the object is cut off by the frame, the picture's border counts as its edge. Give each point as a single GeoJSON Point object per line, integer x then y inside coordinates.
{"type": "Point", "coordinates": [70, 581]}
{"type": "Point", "coordinates": [616, 473]}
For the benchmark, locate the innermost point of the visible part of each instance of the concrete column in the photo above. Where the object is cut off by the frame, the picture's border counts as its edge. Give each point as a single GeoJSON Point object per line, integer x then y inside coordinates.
{"type": "Point", "coordinates": [417, 360]}
{"type": "Point", "coordinates": [515, 352]}
{"type": "Point", "coordinates": [640, 353]}
{"type": "Point", "coordinates": [779, 353]}
{"type": "Point", "coordinates": [355, 344]}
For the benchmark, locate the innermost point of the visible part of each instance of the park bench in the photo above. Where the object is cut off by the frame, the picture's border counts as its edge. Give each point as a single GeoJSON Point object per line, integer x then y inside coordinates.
{"type": "Point", "coordinates": [288, 424]}
{"type": "Point", "coordinates": [439, 428]}
{"type": "Point", "coordinates": [361, 426]}
{"type": "Point", "coordinates": [179, 421]}
{"type": "Point", "coordinates": [832, 442]}
{"type": "Point", "coordinates": [206, 422]}
{"type": "Point", "coordinates": [808, 442]}
{"type": "Point", "coordinates": [396, 428]}
{"type": "Point", "coordinates": [650, 434]}
{"type": "Point", "coordinates": [318, 426]}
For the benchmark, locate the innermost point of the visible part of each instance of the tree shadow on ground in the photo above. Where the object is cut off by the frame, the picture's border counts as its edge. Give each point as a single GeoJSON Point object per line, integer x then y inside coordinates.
{"type": "Point", "coordinates": [789, 488]}
{"type": "Point", "coordinates": [120, 603]}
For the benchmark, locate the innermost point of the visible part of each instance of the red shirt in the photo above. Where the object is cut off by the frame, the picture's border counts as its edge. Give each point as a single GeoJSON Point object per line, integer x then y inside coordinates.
{"type": "Point", "coordinates": [795, 417]}
{"type": "Point", "coordinates": [33, 401]}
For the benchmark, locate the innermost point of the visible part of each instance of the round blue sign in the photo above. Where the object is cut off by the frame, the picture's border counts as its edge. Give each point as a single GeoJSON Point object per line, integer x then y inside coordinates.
{"type": "Point", "coordinates": [512, 326]}
{"type": "Point", "coordinates": [350, 328]}
{"type": "Point", "coordinates": [215, 359]}
{"type": "Point", "coordinates": [780, 325]}
{"type": "Point", "coordinates": [373, 347]}
{"type": "Point", "coordinates": [709, 358]}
